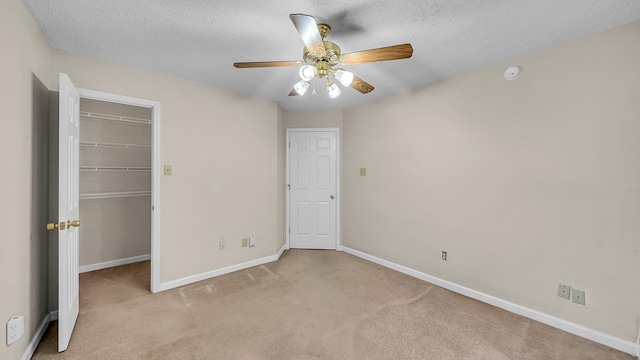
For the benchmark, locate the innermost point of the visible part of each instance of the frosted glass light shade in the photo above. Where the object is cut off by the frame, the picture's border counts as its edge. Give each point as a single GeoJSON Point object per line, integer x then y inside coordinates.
{"type": "Point", "coordinates": [344, 77]}
{"type": "Point", "coordinates": [301, 87]}
{"type": "Point", "coordinates": [307, 72]}
{"type": "Point", "coordinates": [333, 90]}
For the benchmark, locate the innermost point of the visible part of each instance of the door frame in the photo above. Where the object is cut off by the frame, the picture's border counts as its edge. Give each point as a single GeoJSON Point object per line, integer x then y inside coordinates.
{"type": "Point", "coordinates": [338, 177]}
{"type": "Point", "coordinates": [155, 169]}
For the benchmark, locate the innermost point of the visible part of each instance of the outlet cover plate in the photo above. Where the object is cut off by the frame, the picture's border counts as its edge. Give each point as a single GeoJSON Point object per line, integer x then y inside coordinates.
{"type": "Point", "coordinates": [444, 255]}
{"type": "Point", "coordinates": [578, 297]}
{"type": "Point", "coordinates": [564, 291]}
{"type": "Point", "coordinates": [244, 242]}
{"type": "Point", "coordinates": [15, 329]}
{"type": "Point", "coordinates": [167, 170]}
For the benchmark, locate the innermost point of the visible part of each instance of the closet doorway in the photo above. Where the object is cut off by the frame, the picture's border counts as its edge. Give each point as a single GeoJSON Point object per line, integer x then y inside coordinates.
{"type": "Point", "coordinates": [119, 182]}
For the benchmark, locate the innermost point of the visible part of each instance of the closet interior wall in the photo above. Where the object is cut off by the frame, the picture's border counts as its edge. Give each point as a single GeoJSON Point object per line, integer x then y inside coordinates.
{"type": "Point", "coordinates": [115, 182]}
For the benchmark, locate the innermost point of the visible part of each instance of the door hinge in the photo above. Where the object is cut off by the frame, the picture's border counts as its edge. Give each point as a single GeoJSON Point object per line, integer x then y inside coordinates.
{"type": "Point", "coordinates": [289, 144]}
{"type": "Point", "coordinates": [289, 230]}
{"type": "Point", "coordinates": [289, 186]}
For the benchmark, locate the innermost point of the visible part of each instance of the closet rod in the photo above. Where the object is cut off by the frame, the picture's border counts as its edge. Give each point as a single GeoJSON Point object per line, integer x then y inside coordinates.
{"type": "Point", "coordinates": [114, 168]}
{"type": "Point", "coordinates": [114, 145]}
{"type": "Point", "coordinates": [107, 117]}
{"type": "Point", "coordinates": [113, 195]}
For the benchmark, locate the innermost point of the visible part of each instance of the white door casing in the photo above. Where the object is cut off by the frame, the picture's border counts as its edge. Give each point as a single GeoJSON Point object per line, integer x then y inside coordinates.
{"type": "Point", "coordinates": [68, 205]}
{"type": "Point", "coordinates": [313, 188]}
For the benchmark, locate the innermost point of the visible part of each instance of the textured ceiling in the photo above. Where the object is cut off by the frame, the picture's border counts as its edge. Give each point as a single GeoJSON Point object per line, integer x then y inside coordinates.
{"type": "Point", "coordinates": [200, 39]}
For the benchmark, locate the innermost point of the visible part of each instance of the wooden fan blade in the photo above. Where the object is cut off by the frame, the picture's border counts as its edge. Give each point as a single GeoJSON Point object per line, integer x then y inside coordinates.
{"type": "Point", "coordinates": [261, 64]}
{"type": "Point", "coordinates": [395, 52]}
{"type": "Point", "coordinates": [361, 85]}
{"type": "Point", "coordinates": [293, 93]}
{"type": "Point", "coordinates": [308, 30]}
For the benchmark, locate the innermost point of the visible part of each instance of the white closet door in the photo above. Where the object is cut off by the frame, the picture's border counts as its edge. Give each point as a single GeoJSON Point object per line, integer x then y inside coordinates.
{"type": "Point", "coordinates": [68, 211]}
{"type": "Point", "coordinates": [312, 193]}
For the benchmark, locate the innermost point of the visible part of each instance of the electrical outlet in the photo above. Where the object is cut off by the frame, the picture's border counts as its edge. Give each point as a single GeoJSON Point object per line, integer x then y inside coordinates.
{"type": "Point", "coordinates": [564, 291]}
{"type": "Point", "coordinates": [223, 244]}
{"type": "Point", "coordinates": [15, 329]}
{"type": "Point", "coordinates": [363, 171]}
{"type": "Point", "coordinates": [578, 297]}
{"type": "Point", "coordinates": [245, 241]}
{"type": "Point", "coordinates": [444, 255]}
{"type": "Point", "coordinates": [167, 170]}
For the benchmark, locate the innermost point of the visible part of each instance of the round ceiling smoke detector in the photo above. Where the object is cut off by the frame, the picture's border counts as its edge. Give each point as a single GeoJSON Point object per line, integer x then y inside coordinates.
{"type": "Point", "coordinates": [512, 72]}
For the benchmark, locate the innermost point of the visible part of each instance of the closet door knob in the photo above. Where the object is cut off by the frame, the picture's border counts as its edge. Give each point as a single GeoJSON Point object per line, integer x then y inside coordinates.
{"type": "Point", "coordinates": [75, 223]}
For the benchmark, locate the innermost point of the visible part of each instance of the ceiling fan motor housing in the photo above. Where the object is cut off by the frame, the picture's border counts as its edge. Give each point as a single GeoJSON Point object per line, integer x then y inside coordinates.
{"type": "Point", "coordinates": [324, 61]}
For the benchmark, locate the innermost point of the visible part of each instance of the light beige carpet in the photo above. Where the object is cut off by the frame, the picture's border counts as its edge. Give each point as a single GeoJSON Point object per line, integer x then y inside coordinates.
{"type": "Point", "coordinates": [308, 305]}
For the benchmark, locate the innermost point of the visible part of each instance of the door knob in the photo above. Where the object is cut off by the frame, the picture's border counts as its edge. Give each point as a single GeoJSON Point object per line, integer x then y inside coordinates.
{"type": "Point", "coordinates": [332, 197]}
{"type": "Point", "coordinates": [75, 223]}
{"type": "Point", "coordinates": [61, 226]}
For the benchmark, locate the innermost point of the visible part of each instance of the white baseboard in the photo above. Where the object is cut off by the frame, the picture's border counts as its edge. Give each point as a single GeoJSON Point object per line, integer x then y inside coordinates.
{"type": "Point", "coordinates": [35, 340]}
{"type": "Point", "coordinates": [579, 330]}
{"type": "Point", "coordinates": [226, 270]}
{"type": "Point", "coordinates": [281, 251]}
{"type": "Point", "coordinates": [108, 264]}
{"type": "Point", "coordinates": [54, 315]}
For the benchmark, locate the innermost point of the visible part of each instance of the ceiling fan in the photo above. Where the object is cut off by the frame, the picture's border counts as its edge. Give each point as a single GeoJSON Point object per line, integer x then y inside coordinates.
{"type": "Point", "coordinates": [320, 58]}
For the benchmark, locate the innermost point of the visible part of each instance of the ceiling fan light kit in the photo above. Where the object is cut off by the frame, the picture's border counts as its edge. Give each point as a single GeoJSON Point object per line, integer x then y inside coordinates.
{"type": "Point", "coordinates": [301, 87]}
{"type": "Point", "coordinates": [307, 72]}
{"type": "Point", "coordinates": [320, 56]}
{"type": "Point", "coordinates": [333, 89]}
{"type": "Point", "coordinates": [344, 77]}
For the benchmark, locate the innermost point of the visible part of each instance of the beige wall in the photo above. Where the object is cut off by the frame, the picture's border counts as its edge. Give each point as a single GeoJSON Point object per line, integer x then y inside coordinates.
{"type": "Point", "coordinates": [223, 149]}
{"type": "Point", "coordinates": [24, 69]}
{"type": "Point", "coordinates": [313, 119]}
{"type": "Point", "coordinates": [525, 183]}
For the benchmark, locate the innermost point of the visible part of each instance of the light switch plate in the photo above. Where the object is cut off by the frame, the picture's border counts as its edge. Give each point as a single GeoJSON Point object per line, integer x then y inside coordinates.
{"type": "Point", "coordinates": [244, 242]}
{"type": "Point", "coordinates": [252, 241]}
{"type": "Point", "coordinates": [363, 171]}
{"type": "Point", "coordinates": [167, 169]}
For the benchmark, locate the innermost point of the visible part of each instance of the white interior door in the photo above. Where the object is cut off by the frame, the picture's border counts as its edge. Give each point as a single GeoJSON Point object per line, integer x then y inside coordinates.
{"type": "Point", "coordinates": [68, 214]}
{"type": "Point", "coordinates": [312, 189]}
